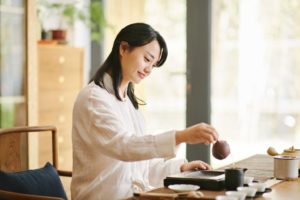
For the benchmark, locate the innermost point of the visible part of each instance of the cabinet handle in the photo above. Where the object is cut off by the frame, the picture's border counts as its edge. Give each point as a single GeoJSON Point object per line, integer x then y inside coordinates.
{"type": "Point", "coordinates": [61, 60]}
{"type": "Point", "coordinates": [60, 139]}
{"type": "Point", "coordinates": [61, 99]}
{"type": "Point", "coordinates": [61, 79]}
{"type": "Point", "coordinates": [61, 118]}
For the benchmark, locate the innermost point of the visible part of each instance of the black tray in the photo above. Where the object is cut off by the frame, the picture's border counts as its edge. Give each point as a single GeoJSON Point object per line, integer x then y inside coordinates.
{"type": "Point", "coordinates": [206, 179]}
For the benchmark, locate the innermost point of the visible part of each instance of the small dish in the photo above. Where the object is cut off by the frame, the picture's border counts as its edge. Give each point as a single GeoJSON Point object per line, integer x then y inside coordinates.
{"type": "Point", "coordinates": [183, 187]}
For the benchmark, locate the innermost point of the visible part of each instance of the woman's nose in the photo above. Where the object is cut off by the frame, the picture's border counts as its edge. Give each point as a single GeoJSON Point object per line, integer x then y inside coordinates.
{"type": "Point", "coordinates": [148, 69]}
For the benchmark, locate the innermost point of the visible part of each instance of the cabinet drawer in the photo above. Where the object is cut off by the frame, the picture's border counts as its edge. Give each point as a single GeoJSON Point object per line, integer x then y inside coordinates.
{"type": "Point", "coordinates": [63, 117]}
{"type": "Point", "coordinates": [64, 137]}
{"type": "Point", "coordinates": [58, 81]}
{"type": "Point", "coordinates": [56, 101]}
{"type": "Point", "coordinates": [60, 58]}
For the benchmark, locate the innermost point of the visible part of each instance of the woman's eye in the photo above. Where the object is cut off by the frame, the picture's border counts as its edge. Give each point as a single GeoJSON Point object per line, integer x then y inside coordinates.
{"type": "Point", "coordinates": [146, 59]}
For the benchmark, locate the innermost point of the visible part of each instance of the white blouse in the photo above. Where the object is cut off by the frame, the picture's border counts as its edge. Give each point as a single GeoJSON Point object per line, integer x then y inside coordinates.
{"type": "Point", "coordinates": [112, 155]}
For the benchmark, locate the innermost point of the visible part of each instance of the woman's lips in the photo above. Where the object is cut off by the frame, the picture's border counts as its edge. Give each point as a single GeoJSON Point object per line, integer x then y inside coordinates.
{"type": "Point", "coordinates": [141, 75]}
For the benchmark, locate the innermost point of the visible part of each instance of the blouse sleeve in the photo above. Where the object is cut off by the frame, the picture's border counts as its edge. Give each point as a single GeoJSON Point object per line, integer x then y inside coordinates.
{"type": "Point", "coordinates": [161, 168]}
{"type": "Point", "coordinates": [102, 128]}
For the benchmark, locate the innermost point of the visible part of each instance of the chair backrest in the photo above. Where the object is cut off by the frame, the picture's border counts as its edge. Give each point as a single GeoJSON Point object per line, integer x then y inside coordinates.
{"type": "Point", "coordinates": [29, 129]}
{"type": "Point", "coordinates": [42, 183]}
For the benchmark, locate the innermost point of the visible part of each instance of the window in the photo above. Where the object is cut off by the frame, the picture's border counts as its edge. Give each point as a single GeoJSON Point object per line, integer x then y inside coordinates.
{"type": "Point", "coordinates": [164, 91]}
{"type": "Point", "coordinates": [255, 75]}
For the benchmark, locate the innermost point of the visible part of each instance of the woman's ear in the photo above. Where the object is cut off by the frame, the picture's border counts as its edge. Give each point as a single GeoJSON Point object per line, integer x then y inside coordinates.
{"type": "Point", "coordinates": [124, 46]}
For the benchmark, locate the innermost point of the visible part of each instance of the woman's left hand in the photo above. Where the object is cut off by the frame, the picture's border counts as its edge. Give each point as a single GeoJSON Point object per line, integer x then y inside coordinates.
{"type": "Point", "coordinates": [194, 165]}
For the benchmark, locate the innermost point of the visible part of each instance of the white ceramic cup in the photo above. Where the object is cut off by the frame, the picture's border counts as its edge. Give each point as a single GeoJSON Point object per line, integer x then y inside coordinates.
{"type": "Point", "coordinates": [236, 194]}
{"type": "Point", "coordinates": [286, 167]}
{"type": "Point", "coordinates": [248, 179]}
{"type": "Point", "coordinates": [250, 191]}
{"type": "Point", "coordinates": [261, 187]}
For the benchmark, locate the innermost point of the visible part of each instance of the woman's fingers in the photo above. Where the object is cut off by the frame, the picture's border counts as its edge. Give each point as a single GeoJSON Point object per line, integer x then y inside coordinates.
{"type": "Point", "coordinates": [199, 133]}
{"type": "Point", "coordinates": [211, 131]}
{"type": "Point", "coordinates": [197, 164]}
{"type": "Point", "coordinates": [208, 138]}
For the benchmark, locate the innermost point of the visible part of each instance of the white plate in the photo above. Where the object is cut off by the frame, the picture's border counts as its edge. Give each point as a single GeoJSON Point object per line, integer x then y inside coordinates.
{"type": "Point", "coordinates": [183, 187]}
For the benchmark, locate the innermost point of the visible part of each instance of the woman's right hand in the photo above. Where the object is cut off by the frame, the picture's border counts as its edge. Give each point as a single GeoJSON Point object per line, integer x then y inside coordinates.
{"type": "Point", "coordinates": [199, 133]}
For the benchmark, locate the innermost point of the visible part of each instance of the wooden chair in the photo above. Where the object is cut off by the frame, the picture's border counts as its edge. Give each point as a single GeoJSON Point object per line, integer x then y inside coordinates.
{"type": "Point", "coordinates": [5, 194]}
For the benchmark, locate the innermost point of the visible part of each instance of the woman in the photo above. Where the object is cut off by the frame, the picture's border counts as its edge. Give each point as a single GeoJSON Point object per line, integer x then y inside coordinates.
{"type": "Point", "coordinates": [112, 155]}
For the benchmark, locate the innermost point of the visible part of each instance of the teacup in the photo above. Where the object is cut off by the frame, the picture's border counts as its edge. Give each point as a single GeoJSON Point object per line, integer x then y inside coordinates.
{"type": "Point", "coordinates": [261, 187]}
{"type": "Point", "coordinates": [250, 191]}
{"type": "Point", "coordinates": [238, 194]}
{"type": "Point", "coordinates": [248, 179]}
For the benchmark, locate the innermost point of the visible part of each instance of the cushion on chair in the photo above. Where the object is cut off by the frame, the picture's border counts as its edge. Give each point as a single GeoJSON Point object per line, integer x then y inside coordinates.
{"type": "Point", "coordinates": [44, 181]}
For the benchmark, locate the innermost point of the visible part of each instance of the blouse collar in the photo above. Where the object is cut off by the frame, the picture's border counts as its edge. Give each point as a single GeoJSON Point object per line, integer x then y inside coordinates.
{"type": "Point", "coordinates": [108, 85]}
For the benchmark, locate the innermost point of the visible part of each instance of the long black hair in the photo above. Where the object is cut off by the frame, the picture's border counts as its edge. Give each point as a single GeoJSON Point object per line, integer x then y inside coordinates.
{"type": "Point", "coordinates": [136, 35]}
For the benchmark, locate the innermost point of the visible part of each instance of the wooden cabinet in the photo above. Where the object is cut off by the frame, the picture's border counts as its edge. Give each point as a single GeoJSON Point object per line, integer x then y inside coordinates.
{"type": "Point", "coordinates": [60, 78]}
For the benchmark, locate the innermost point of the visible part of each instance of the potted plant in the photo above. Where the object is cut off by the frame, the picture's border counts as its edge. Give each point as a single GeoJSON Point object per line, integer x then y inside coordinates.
{"type": "Point", "coordinates": [65, 15]}
{"type": "Point", "coordinates": [97, 20]}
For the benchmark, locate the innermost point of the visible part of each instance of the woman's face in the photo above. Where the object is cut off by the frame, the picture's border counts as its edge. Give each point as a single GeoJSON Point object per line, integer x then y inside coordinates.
{"type": "Point", "coordinates": [137, 63]}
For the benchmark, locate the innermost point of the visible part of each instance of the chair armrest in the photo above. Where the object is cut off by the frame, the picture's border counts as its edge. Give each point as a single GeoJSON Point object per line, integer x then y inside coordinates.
{"type": "Point", "coordinates": [20, 196]}
{"type": "Point", "coordinates": [64, 173]}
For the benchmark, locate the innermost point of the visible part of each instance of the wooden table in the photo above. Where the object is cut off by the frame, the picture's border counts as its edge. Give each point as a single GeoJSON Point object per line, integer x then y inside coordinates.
{"type": "Point", "coordinates": [261, 168]}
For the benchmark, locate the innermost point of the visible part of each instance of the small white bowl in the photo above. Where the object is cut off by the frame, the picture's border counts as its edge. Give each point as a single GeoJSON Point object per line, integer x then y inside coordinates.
{"type": "Point", "coordinates": [261, 187]}
{"type": "Point", "coordinates": [250, 191]}
{"type": "Point", "coordinates": [248, 179]}
{"type": "Point", "coordinates": [238, 194]}
{"type": "Point", "coordinates": [224, 197]}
